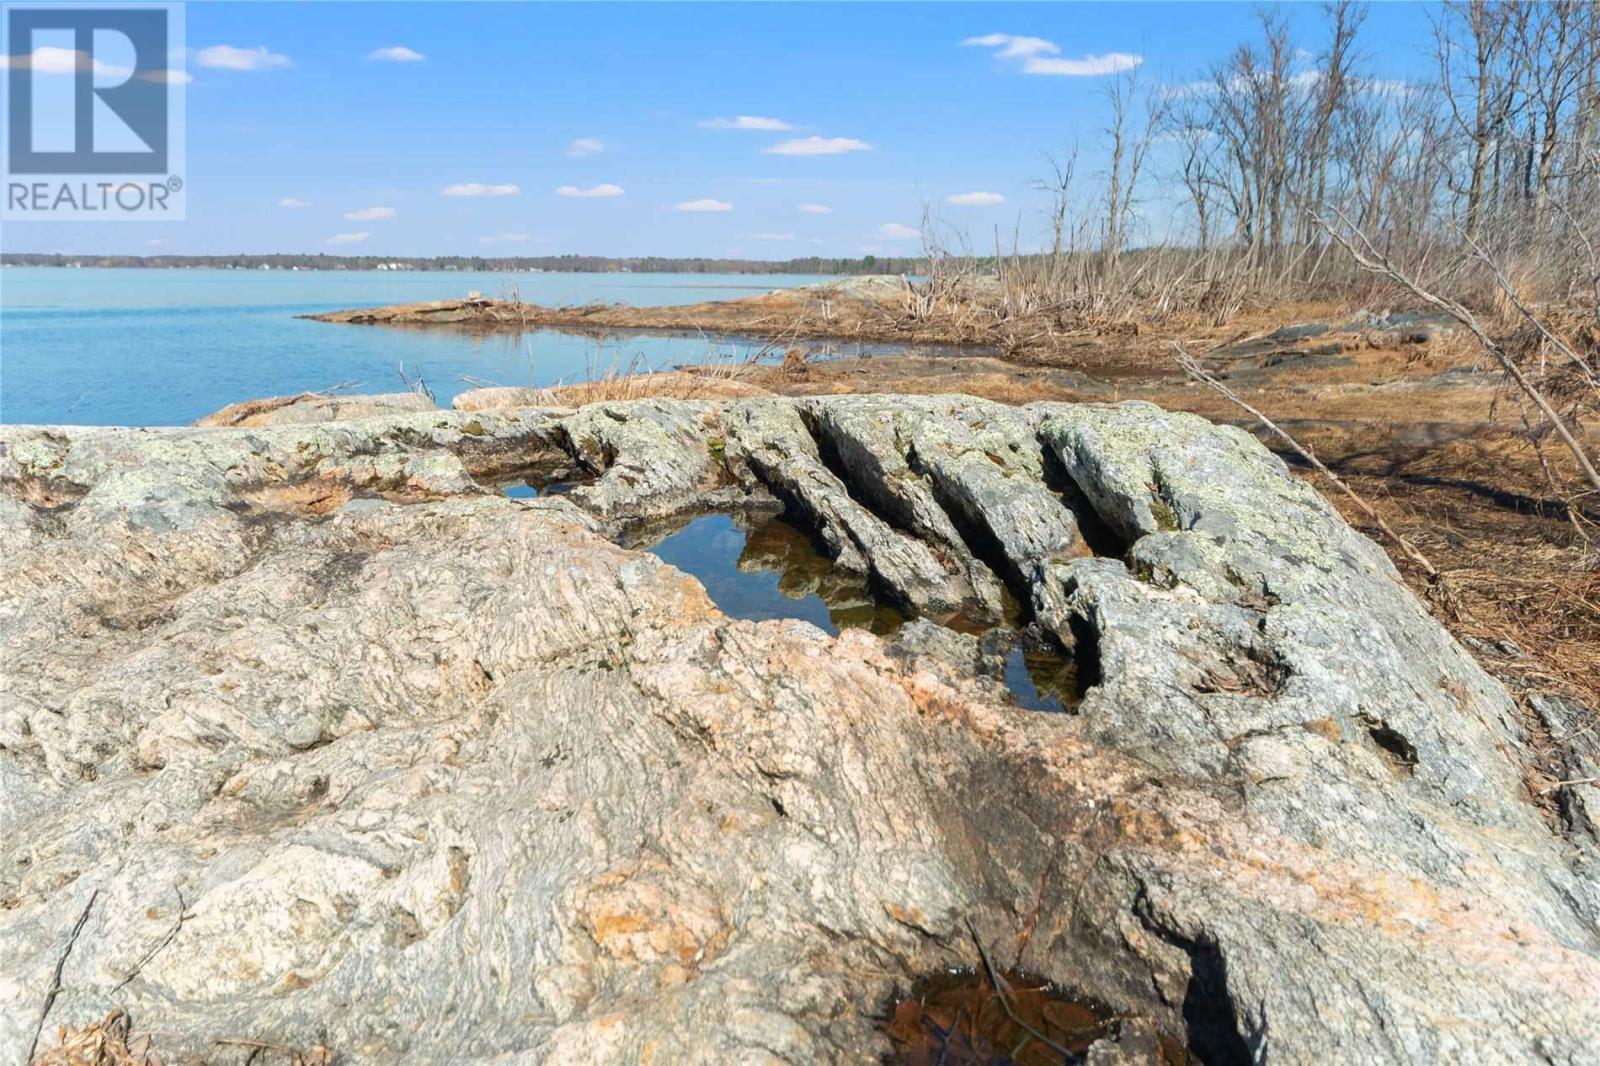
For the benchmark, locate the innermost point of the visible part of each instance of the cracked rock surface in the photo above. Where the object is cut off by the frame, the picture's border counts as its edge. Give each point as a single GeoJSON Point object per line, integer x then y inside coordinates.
{"type": "Point", "coordinates": [329, 743]}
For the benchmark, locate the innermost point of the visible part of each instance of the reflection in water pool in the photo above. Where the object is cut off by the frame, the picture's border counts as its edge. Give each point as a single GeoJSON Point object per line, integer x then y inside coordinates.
{"type": "Point", "coordinates": [762, 567]}
{"type": "Point", "coordinates": [1040, 679]}
{"type": "Point", "coordinates": [528, 490]}
{"type": "Point", "coordinates": [769, 569]}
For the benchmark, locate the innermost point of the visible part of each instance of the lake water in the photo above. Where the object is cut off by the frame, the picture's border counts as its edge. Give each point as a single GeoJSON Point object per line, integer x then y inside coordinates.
{"type": "Point", "coordinates": [164, 347]}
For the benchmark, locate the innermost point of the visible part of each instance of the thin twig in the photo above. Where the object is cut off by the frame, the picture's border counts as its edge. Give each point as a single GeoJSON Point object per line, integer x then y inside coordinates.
{"type": "Point", "coordinates": [1574, 781]}
{"type": "Point", "coordinates": [61, 965]}
{"type": "Point", "coordinates": [1369, 258]}
{"type": "Point", "coordinates": [1000, 986]}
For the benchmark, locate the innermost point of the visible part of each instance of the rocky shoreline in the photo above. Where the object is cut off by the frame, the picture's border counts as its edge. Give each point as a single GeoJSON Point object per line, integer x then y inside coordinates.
{"type": "Point", "coordinates": [870, 308]}
{"type": "Point", "coordinates": [324, 742]}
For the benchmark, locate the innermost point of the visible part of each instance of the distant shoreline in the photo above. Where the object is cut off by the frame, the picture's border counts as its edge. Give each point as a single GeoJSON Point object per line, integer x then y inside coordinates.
{"type": "Point", "coordinates": [556, 264]}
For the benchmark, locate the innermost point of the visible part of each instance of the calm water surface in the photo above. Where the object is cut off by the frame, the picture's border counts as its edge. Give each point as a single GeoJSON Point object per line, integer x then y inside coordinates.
{"type": "Point", "coordinates": [761, 568]}
{"type": "Point", "coordinates": [164, 347]}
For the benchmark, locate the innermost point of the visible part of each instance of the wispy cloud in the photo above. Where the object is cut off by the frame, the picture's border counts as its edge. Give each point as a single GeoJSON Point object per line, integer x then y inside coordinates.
{"type": "Point", "coordinates": [975, 199]}
{"type": "Point", "coordinates": [478, 188]}
{"type": "Point", "coordinates": [347, 238]}
{"type": "Point", "coordinates": [1010, 46]}
{"type": "Point", "coordinates": [396, 54]}
{"type": "Point", "coordinates": [505, 238]}
{"type": "Point", "coordinates": [585, 146]}
{"type": "Point", "coordinates": [292, 201]}
{"type": "Point", "coordinates": [897, 232]}
{"type": "Point", "coordinates": [772, 236]}
{"type": "Point", "coordinates": [48, 60]}
{"type": "Point", "coordinates": [747, 122]}
{"type": "Point", "coordinates": [1039, 56]}
{"type": "Point", "coordinates": [815, 209]}
{"type": "Point", "coordinates": [817, 146]}
{"type": "Point", "coordinates": [1087, 67]}
{"type": "Point", "coordinates": [370, 214]}
{"type": "Point", "coordinates": [706, 204]}
{"type": "Point", "coordinates": [593, 192]}
{"type": "Point", "coordinates": [227, 57]}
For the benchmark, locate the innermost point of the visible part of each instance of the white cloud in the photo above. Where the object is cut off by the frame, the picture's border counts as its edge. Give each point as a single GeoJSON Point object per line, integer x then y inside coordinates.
{"type": "Point", "coordinates": [747, 122]}
{"type": "Point", "coordinates": [1040, 56]}
{"type": "Point", "coordinates": [817, 146]}
{"type": "Point", "coordinates": [1011, 46]}
{"type": "Point", "coordinates": [975, 199]}
{"type": "Point", "coordinates": [348, 238]}
{"type": "Point", "coordinates": [772, 236]}
{"type": "Point", "coordinates": [1087, 67]}
{"type": "Point", "coordinates": [291, 201]}
{"type": "Point", "coordinates": [397, 54]}
{"type": "Point", "coordinates": [154, 242]}
{"type": "Point", "coordinates": [816, 209]}
{"type": "Point", "coordinates": [227, 57]}
{"type": "Point", "coordinates": [706, 204]}
{"type": "Point", "coordinates": [48, 60]}
{"type": "Point", "coordinates": [478, 188]}
{"type": "Point", "coordinates": [896, 232]}
{"type": "Point", "coordinates": [370, 214]}
{"type": "Point", "coordinates": [585, 146]}
{"type": "Point", "coordinates": [505, 238]}
{"type": "Point", "coordinates": [594, 192]}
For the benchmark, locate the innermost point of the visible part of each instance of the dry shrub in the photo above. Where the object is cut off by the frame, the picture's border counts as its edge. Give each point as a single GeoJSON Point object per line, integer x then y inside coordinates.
{"type": "Point", "coordinates": [670, 385]}
{"type": "Point", "coordinates": [1569, 381]}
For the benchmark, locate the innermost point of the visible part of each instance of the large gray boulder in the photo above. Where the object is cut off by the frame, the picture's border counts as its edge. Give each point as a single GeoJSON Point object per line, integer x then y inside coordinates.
{"type": "Point", "coordinates": [325, 743]}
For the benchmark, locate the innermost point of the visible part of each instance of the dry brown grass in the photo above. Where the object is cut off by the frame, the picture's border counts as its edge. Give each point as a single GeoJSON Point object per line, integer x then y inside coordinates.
{"type": "Point", "coordinates": [105, 1043]}
{"type": "Point", "coordinates": [670, 384]}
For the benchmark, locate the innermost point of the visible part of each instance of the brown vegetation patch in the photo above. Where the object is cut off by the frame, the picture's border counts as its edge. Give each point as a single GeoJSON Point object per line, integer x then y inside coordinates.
{"type": "Point", "coordinates": [708, 383]}
{"type": "Point", "coordinates": [111, 1042]}
{"type": "Point", "coordinates": [962, 1018]}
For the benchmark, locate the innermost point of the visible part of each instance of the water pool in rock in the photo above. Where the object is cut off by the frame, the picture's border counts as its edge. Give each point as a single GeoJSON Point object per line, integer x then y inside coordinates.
{"type": "Point", "coordinates": [1040, 679]}
{"type": "Point", "coordinates": [531, 489]}
{"type": "Point", "coordinates": [761, 567]}
{"type": "Point", "coordinates": [960, 1017]}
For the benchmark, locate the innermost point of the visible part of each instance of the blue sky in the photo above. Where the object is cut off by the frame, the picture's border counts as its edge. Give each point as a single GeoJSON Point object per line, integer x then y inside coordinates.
{"type": "Point", "coordinates": [294, 104]}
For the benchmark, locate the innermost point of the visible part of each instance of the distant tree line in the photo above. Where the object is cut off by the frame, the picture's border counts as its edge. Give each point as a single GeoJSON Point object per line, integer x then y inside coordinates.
{"type": "Point", "coordinates": [580, 264]}
{"type": "Point", "coordinates": [1495, 150]}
